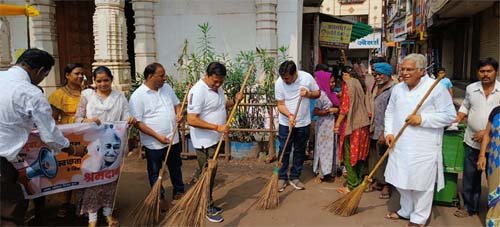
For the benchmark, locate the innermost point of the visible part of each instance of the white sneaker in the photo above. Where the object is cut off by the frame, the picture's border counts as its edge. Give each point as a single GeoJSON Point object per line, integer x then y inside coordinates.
{"type": "Point", "coordinates": [297, 184]}
{"type": "Point", "coordinates": [281, 185]}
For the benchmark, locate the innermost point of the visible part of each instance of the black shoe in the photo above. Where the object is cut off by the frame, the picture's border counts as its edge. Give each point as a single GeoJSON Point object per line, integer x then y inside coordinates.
{"type": "Point", "coordinates": [216, 218]}
{"type": "Point", "coordinates": [214, 210]}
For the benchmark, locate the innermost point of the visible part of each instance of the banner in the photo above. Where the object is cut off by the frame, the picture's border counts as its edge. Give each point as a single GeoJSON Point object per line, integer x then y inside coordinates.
{"type": "Point", "coordinates": [43, 172]}
{"type": "Point", "coordinates": [335, 35]}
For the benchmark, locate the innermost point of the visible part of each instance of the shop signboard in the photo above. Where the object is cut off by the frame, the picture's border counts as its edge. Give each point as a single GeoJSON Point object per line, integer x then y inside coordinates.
{"type": "Point", "coordinates": [335, 35]}
{"type": "Point", "coordinates": [371, 41]}
{"type": "Point", "coordinates": [399, 27]}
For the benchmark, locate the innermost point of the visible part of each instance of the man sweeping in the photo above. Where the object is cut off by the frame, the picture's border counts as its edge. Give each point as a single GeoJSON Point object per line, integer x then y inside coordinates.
{"type": "Point", "coordinates": [288, 88]}
{"type": "Point", "coordinates": [415, 163]}
{"type": "Point", "coordinates": [207, 106]}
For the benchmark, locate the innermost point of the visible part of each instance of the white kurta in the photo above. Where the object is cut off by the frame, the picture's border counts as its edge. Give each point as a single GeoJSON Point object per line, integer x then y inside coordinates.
{"type": "Point", "coordinates": [416, 160]}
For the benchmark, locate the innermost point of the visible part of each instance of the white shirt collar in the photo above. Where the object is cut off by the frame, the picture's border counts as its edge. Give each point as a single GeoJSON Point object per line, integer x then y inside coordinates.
{"type": "Point", "coordinates": [479, 87]}
{"type": "Point", "coordinates": [20, 73]}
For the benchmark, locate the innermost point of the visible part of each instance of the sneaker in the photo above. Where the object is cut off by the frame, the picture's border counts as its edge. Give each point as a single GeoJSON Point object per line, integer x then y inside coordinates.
{"type": "Point", "coordinates": [297, 184]}
{"type": "Point", "coordinates": [216, 218]}
{"type": "Point", "coordinates": [281, 185]}
{"type": "Point", "coordinates": [214, 210]}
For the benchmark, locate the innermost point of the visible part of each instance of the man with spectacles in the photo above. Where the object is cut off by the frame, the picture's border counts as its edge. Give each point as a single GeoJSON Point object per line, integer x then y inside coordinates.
{"type": "Point", "coordinates": [415, 163]}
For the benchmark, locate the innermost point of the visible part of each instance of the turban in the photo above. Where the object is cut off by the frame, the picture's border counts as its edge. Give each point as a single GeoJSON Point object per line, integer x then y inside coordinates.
{"type": "Point", "coordinates": [383, 68]}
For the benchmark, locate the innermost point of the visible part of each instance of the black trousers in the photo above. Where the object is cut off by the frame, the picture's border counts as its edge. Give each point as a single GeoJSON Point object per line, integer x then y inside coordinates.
{"type": "Point", "coordinates": [13, 205]}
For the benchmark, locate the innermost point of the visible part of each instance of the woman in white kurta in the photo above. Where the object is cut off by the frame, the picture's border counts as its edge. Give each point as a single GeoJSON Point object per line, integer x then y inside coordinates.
{"type": "Point", "coordinates": [415, 162]}
{"type": "Point", "coordinates": [324, 147]}
{"type": "Point", "coordinates": [101, 105]}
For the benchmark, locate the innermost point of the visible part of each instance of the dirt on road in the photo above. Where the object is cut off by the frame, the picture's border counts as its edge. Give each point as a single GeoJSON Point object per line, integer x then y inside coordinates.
{"type": "Point", "coordinates": [238, 183]}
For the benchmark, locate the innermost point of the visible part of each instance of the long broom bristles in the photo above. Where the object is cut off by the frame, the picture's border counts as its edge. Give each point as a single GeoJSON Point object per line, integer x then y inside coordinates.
{"type": "Point", "coordinates": [269, 198]}
{"type": "Point", "coordinates": [348, 204]}
{"type": "Point", "coordinates": [191, 209]}
{"type": "Point", "coordinates": [147, 212]}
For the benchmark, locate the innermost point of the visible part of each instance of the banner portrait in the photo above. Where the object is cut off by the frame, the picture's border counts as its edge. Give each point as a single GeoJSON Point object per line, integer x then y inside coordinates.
{"type": "Point", "coordinates": [43, 171]}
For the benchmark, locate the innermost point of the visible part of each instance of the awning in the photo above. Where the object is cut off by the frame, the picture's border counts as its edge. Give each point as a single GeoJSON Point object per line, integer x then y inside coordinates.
{"type": "Point", "coordinates": [359, 30]}
{"type": "Point", "coordinates": [15, 10]}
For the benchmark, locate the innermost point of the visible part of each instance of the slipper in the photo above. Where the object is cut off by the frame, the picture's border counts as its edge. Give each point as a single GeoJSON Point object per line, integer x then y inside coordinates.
{"type": "Point", "coordinates": [461, 213]}
{"type": "Point", "coordinates": [343, 190]}
{"type": "Point", "coordinates": [369, 189]}
{"type": "Point", "coordinates": [395, 216]}
{"type": "Point", "coordinates": [411, 224]}
{"type": "Point", "coordinates": [384, 195]}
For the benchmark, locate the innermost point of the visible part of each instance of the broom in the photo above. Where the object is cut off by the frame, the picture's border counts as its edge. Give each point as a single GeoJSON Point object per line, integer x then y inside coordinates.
{"type": "Point", "coordinates": [347, 204]}
{"type": "Point", "coordinates": [191, 209]}
{"type": "Point", "coordinates": [147, 212]}
{"type": "Point", "coordinates": [269, 198]}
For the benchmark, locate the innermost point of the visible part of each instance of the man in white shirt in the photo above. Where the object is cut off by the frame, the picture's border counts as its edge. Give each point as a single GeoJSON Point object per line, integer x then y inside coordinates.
{"type": "Point", "coordinates": [207, 107]}
{"type": "Point", "coordinates": [415, 163]}
{"type": "Point", "coordinates": [481, 98]}
{"type": "Point", "coordinates": [155, 105]}
{"type": "Point", "coordinates": [23, 105]}
{"type": "Point", "coordinates": [289, 87]}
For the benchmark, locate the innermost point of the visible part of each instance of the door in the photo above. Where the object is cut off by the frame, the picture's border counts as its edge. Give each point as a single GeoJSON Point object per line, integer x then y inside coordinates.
{"type": "Point", "coordinates": [75, 36]}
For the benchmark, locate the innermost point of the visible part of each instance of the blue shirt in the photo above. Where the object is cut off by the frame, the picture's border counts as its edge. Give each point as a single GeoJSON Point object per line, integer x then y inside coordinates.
{"type": "Point", "coordinates": [446, 82]}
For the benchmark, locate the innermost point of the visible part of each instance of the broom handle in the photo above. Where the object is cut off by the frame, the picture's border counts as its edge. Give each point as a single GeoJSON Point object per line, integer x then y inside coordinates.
{"type": "Point", "coordinates": [183, 104]}
{"type": "Point", "coordinates": [290, 128]}
{"type": "Point", "coordinates": [233, 111]}
{"type": "Point", "coordinates": [436, 82]}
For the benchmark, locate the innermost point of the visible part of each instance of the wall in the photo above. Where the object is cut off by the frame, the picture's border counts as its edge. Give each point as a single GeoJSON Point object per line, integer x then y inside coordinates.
{"type": "Point", "coordinates": [333, 7]}
{"type": "Point", "coordinates": [447, 53]}
{"type": "Point", "coordinates": [290, 27]}
{"type": "Point", "coordinates": [19, 38]}
{"type": "Point", "coordinates": [233, 27]}
{"type": "Point", "coordinates": [489, 34]}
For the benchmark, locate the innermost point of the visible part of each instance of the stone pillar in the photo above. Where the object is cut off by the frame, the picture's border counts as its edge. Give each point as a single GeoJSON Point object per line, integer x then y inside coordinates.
{"type": "Point", "coordinates": [5, 54]}
{"type": "Point", "coordinates": [266, 27]}
{"type": "Point", "coordinates": [110, 40]}
{"type": "Point", "coordinates": [43, 36]}
{"type": "Point", "coordinates": [145, 41]}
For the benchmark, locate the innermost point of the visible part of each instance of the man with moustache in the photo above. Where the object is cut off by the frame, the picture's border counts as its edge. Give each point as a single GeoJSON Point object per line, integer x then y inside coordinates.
{"type": "Point", "coordinates": [415, 163]}
{"type": "Point", "coordinates": [480, 98]}
{"type": "Point", "coordinates": [156, 108]}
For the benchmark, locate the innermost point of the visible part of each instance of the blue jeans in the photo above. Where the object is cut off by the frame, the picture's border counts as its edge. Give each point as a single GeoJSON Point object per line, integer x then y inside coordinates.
{"type": "Point", "coordinates": [298, 140]}
{"type": "Point", "coordinates": [155, 160]}
{"type": "Point", "coordinates": [471, 180]}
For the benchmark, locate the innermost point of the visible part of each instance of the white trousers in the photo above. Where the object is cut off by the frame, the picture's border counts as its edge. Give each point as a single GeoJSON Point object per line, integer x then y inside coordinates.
{"type": "Point", "coordinates": [416, 205]}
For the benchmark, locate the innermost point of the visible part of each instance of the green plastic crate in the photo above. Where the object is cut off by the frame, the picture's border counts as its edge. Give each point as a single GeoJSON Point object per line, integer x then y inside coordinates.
{"type": "Point", "coordinates": [453, 151]}
{"type": "Point", "coordinates": [449, 194]}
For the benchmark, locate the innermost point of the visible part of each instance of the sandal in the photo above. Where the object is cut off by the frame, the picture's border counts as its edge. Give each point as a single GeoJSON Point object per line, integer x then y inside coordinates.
{"type": "Point", "coordinates": [395, 216]}
{"type": "Point", "coordinates": [384, 194]}
{"type": "Point", "coordinates": [461, 213]}
{"type": "Point", "coordinates": [411, 224]}
{"type": "Point", "coordinates": [112, 222]}
{"type": "Point", "coordinates": [343, 190]}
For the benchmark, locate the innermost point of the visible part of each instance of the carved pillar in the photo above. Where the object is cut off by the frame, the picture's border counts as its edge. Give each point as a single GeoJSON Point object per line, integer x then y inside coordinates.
{"type": "Point", "coordinates": [5, 54]}
{"type": "Point", "coordinates": [266, 27]}
{"type": "Point", "coordinates": [43, 36]}
{"type": "Point", "coordinates": [145, 42]}
{"type": "Point", "coordinates": [110, 38]}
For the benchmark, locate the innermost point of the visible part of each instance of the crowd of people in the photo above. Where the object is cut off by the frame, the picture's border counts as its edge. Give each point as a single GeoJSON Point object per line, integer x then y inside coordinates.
{"type": "Point", "coordinates": [358, 116]}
